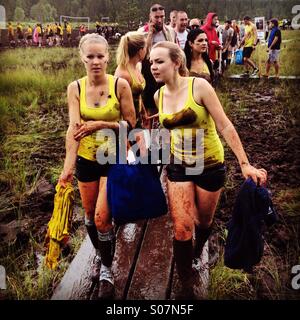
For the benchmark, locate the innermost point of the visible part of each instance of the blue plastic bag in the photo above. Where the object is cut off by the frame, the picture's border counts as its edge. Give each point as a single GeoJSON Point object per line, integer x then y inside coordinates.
{"type": "Point", "coordinates": [134, 192]}
{"type": "Point", "coordinates": [239, 56]}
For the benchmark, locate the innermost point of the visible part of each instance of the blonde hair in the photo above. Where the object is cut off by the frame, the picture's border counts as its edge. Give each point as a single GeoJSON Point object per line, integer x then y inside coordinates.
{"type": "Point", "coordinates": [92, 38]}
{"type": "Point", "coordinates": [129, 46]}
{"type": "Point", "coordinates": [176, 55]}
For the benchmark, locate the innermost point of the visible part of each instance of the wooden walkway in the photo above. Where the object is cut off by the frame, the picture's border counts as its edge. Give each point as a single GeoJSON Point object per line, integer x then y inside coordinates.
{"type": "Point", "coordinates": [240, 76]}
{"type": "Point", "coordinates": [143, 265]}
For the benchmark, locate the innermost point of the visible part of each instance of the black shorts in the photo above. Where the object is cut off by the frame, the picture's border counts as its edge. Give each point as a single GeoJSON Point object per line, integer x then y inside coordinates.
{"type": "Point", "coordinates": [211, 179]}
{"type": "Point", "coordinates": [247, 52]}
{"type": "Point", "coordinates": [88, 171]}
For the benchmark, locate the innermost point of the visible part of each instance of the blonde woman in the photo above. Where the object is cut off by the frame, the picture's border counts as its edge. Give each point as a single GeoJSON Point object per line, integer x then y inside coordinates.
{"type": "Point", "coordinates": [132, 51]}
{"type": "Point", "coordinates": [191, 103]}
{"type": "Point", "coordinates": [97, 101]}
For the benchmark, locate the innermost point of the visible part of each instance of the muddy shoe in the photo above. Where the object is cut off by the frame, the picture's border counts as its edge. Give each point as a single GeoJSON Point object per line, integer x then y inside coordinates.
{"type": "Point", "coordinates": [106, 283]}
{"type": "Point", "coordinates": [95, 269]}
{"type": "Point", "coordinates": [255, 72]}
{"type": "Point", "coordinates": [106, 290]}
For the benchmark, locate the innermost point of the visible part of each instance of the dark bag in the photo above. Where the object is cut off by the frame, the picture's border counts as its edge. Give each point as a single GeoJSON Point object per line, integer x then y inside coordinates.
{"type": "Point", "coordinates": [134, 192]}
{"type": "Point", "coordinates": [244, 244]}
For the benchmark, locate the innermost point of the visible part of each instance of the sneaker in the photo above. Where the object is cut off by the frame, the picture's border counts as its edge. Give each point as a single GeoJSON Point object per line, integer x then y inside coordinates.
{"type": "Point", "coordinates": [96, 265]}
{"type": "Point", "coordinates": [106, 284]}
{"type": "Point", "coordinates": [255, 72]}
{"type": "Point", "coordinates": [245, 74]}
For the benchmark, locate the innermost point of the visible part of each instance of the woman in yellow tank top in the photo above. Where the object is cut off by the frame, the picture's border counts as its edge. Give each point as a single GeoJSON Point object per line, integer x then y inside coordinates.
{"type": "Point", "coordinates": [132, 51]}
{"type": "Point", "coordinates": [96, 102]}
{"type": "Point", "coordinates": [191, 103]}
{"type": "Point", "coordinates": [197, 59]}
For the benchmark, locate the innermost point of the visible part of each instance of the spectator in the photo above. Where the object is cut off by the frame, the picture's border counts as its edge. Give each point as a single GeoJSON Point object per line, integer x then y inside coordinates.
{"type": "Point", "coordinates": [273, 50]}
{"type": "Point", "coordinates": [156, 30]}
{"type": "Point", "coordinates": [227, 36]}
{"type": "Point", "coordinates": [249, 42]}
{"type": "Point", "coordinates": [181, 28]}
{"type": "Point", "coordinates": [213, 41]}
{"type": "Point", "coordinates": [173, 17]}
{"type": "Point", "coordinates": [194, 24]}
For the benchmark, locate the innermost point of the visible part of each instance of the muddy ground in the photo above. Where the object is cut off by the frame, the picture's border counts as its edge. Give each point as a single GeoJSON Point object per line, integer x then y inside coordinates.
{"type": "Point", "coordinates": [269, 131]}
{"type": "Point", "coordinates": [264, 114]}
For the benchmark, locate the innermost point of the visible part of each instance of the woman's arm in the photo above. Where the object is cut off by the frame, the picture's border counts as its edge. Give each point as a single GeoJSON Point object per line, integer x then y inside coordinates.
{"type": "Point", "coordinates": [126, 102]}
{"type": "Point", "coordinates": [71, 144]}
{"type": "Point", "coordinates": [205, 95]}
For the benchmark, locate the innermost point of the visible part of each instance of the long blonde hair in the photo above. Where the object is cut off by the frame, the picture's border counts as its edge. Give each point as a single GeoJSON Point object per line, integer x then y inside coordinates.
{"type": "Point", "coordinates": [129, 46]}
{"type": "Point", "coordinates": [176, 55]}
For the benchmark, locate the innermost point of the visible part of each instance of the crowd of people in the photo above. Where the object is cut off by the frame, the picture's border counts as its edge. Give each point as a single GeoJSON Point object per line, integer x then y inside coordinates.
{"type": "Point", "coordinates": [54, 34]}
{"type": "Point", "coordinates": [223, 40]}
{"type": "Point", "coordinates": [38, 35]}
{"type": "Point", "coordinates": [162, 80]}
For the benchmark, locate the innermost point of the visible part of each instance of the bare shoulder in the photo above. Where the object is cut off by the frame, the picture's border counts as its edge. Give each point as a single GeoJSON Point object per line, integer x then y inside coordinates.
{"type": "Point", "coordinates": [201, 88]}
{"type": "Point", "coordinates": [123, 73]}
{"type": "Point", "coordinates": [201, 84]}
{"type": "Point", "coordinates": [123, 87]}
{"type": "Point", "coordinates": [73, 89]}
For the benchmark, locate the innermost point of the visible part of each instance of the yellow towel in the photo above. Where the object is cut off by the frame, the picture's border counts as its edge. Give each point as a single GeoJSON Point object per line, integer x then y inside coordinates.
{"type": "Point", "coordinates": [59, 224]}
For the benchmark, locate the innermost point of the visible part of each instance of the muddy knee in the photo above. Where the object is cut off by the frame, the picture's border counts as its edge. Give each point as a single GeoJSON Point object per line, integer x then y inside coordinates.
{"type": "Point", "coordinates": [103, 222]}
{"type": "Point", "coordinates": [183, 229]}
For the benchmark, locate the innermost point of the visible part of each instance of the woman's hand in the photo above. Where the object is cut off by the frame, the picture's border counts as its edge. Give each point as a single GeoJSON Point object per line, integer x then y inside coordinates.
{"type": "Point", "coordinates": [258, 175]}
{"type": "Point", "coordinates": [84, 129]}
{"type": "Point", "coordinates": [65, 176]}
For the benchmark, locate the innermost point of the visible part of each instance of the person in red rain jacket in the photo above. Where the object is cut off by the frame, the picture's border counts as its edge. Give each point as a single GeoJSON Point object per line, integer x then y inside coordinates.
{"type": "Point", "coordinates": [213, 41]}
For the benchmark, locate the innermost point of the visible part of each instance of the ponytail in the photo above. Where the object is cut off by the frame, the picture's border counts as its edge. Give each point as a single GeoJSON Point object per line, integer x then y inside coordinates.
{"type": "Point", "coordinates": [129, 46]}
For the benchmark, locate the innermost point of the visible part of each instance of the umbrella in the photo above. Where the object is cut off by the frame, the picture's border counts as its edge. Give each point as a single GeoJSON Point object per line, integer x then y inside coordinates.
{"type": "Point", "coordinates": [59, 224]}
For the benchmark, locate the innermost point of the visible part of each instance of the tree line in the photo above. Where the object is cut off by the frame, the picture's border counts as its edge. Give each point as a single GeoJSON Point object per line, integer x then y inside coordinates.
{"type": "Point", "coordinates": [125, 11]}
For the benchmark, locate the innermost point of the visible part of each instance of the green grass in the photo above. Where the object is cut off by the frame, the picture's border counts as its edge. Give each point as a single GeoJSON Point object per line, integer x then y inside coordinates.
{"type": "Point", "coordinates": [289, 56]}
{"type": "Point", "coordinates": [33, 122]}
{"type": "Point", "coordinates": [225, 283]}
{"type": "Point", "coordinates": [27, 276]}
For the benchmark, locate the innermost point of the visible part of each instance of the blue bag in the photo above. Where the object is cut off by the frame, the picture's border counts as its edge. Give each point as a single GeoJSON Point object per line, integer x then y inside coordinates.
{"type": "Point", "coordinates": [239, 56]}
{"type": "Point", "coordinates": [134, 192]}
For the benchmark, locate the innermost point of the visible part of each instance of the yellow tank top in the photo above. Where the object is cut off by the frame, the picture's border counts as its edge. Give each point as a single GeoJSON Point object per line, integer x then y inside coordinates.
{"type": "Point", "coordinates": [203, 73]}
{"type": "Point", "coordinates": [249, 42]}
{"type": "Point", "coordinates": [109, 112]}
{"type": "Point", "coordinates": [136, 88]}
{"type": "Point", "coordinates": [192, 117]}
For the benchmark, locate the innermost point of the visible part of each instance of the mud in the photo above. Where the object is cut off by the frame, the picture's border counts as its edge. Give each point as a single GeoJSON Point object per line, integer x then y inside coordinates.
{"type": "Point", "coordinates": [270, 134]}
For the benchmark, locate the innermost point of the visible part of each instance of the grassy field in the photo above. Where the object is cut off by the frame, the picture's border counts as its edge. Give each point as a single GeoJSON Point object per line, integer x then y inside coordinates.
{"type": "Point", "coordinates": [33, 121]}
{"type": "Point", "coordinates": [289, 56]}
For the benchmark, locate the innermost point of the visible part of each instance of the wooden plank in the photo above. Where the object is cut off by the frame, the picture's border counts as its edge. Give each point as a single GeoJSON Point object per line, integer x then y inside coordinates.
{"type": "Point", "coordinates": [76, 283]}
{"type": "Point", "coordinates": [201, 278]}
{"type": "Point", "coordinates": [129, 240]}
{"type": "Point", "coordinates": [240, 76]}
{"type": "Point", "coordinates": [152, 272]}
{"type": "Point", "coordinates": [153, 268]}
